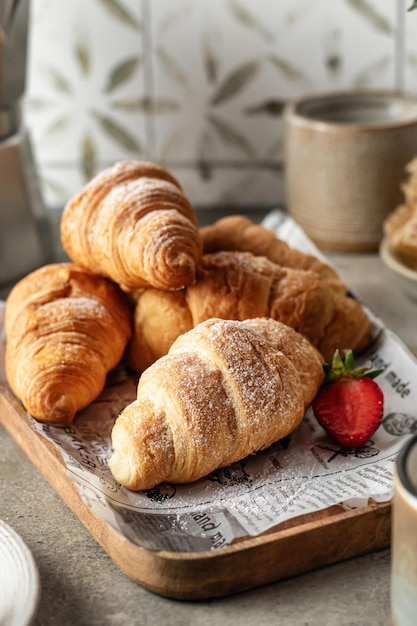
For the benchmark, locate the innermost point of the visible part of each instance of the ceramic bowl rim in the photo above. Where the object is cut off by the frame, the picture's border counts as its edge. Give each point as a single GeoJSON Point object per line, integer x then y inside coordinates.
{"type": "Point", "coordinates": [294, 112]}
{"type": "Point", "coordinates": [394, 264]}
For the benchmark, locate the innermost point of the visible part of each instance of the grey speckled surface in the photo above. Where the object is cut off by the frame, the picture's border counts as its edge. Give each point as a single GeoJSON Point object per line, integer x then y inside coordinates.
{"type": "Point", "coordinates": [82, 586]}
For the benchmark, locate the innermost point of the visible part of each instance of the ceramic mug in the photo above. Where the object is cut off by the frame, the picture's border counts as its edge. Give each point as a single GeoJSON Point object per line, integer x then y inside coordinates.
{"type": "Point", "coordinates": [404, 538]}
{"type": "Point", "coordinates": [345, 155]}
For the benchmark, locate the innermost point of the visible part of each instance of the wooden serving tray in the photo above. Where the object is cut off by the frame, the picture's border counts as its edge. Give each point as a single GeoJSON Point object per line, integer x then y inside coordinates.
{"type": "Point", "coordinates": [293, 547]}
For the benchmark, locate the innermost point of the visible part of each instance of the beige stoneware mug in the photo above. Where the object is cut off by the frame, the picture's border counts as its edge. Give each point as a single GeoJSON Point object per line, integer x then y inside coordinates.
{"type": "Point", "coordinates": [345, 158]}
{"type": "Point", "coordinates": [404, 538]}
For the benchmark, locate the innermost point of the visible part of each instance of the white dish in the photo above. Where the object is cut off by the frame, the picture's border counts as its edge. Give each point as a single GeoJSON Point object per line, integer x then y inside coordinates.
{"type": "Point", "coordinates": [19, 580]}
{"type": "Point", "coordinates": [406, 276]}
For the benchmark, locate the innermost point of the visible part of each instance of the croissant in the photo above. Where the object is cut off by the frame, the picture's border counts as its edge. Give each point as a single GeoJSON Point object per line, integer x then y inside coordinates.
{"type": "Point", "coordinates": [400, 227]}
{"type": "Point", "coordinates": [237, 232]}
{"type": "Point", "coordinates": [223, 392]}
{"type": "Point", "coordinates": [132, 223]}
{"type": "Point", "coordinates": [65, 329]}
{"type": "Point", "coordinates": [239, 285]}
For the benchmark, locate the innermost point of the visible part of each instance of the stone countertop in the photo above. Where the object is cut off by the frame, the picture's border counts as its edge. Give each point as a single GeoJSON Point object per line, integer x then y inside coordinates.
{"type": "Point", "coordinates": [82, 586]}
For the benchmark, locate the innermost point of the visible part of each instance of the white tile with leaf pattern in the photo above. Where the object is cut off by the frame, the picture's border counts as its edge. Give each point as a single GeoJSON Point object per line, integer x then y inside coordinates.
{"type": "Point", "coordinates": [198, 85]}
{"type": "Point", "coordinates": [84, 97]}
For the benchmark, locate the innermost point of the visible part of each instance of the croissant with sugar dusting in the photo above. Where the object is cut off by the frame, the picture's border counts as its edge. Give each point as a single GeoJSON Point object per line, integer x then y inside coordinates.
{"type": "Point", "coordinates": [240, 285]}
{"type": "Point", "coordinates": [65, 329]}
{"type": "Point", "coordinates": [132, 223]}
{"type": "Point", "coordinates": [239, 233]}
{"type": "Point", "coordinates": [225, 390]}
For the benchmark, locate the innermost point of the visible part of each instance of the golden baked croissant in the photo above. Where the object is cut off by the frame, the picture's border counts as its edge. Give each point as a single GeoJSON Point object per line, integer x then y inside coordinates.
{"type": "Point", "coordinates": [401, 231]}
{"type": "Point", "coordinates": [237, 232]}
{"type": "Point", "coordinates": [239, 285]}
{"type": "Point", "coordinates": [132, 223]}
{"type": "Point", "coordinates": [223, 392]}
{"type": "Point", "coordinates": [400, 227]}
{"type": "Point", "coordinates": [65, 329]}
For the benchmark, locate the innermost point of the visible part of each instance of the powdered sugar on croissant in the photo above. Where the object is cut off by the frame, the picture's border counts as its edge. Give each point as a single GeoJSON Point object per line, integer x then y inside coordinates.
{"type": "Point", "coordinates": [223, 392]}
{"type": "Point", "coordinates": [240, 285]}
{"type": "Point", "coordinates": [132, 223]}
{"type": "Point", "coordinates": [239, 233]}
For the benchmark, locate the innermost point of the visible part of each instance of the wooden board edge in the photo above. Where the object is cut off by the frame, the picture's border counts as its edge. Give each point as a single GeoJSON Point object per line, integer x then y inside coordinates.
{"type": "Point", "coordinates": [250, 563]}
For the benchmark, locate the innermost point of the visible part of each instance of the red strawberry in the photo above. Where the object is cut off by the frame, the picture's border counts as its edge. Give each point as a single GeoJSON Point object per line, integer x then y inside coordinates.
{"type": "Point", "coordinates": [349, 405]}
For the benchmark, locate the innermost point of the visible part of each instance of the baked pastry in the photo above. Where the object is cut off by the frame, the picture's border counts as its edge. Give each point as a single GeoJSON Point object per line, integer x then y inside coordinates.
{"type": "Point", "coordinates": [65, 329]}
{"type": "Point", "coordinates": [400, 227]}
{"type": "Point", "coordinates": [237, 232]}
{"type": "Point", "coordinates": [297, 349]}
{"type": "Point", "coordinates": [403, 240]}
{"type": "Point", "coordinates": [132, 223]}
{"type": "Point", "coordinates": [223, 392]}
{"type": "Point", "coordinates": [240, 285]}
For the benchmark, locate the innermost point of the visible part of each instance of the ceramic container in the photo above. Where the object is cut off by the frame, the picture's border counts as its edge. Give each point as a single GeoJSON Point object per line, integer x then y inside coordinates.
{"type": "Point", "coordinates": [404, 537]}
{"type": "Point", "coordinates": [345, 158]}
{"type": "Point", "coordinates": [20, 587]}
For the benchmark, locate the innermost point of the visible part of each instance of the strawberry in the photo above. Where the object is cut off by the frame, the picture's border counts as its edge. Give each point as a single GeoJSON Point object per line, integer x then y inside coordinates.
{"type": "Point", "coordinates": [350, 404]}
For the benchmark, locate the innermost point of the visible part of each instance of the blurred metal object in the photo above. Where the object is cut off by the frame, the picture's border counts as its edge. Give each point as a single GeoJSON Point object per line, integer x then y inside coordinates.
{"type": "Point", "coordinates": [22, 213]}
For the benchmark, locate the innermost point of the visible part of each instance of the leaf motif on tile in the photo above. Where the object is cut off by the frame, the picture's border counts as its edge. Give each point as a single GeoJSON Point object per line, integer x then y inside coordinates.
{"type": "Point", "coordinates": [367, 11]}
{"type": "Point", "coordinates": [36, 104]}
{"type": "Point", "coordinates": [118, 11]}
{"type": "Point", "coordinates": [333, 51]}
{"type": "Point", "coordinates": [206, 150]}
{"type": "Point", "coordinates": [88, 157]}
{"type": "Point", "coordinates": [82, 55]}
{"type": "Point", "coordinates": [158, 106]}
{"type": "Point", "coordinates": [205, 170]}
{"type": "Point", "coordinates": [210, 59]}
{"type": "Point", "coordinates": [250, 20]}
{"type": "Point", "coordinates": [57, 127]}
{"type": "Point", "coordinates": [121, 73]}
{"type": "Point", "coordinates": [56, 189]}
{"type": "Point", "coordinates": [59, 81]}
{"type": "Point", "coordinates": [287, 69]}
{"type": "Point", "coordinates": [177, 14]}
{"type": "Point", "coordinates": [235, 82]}
{"type": "Point", "coordinates": [269, 107]}
{"type": "Point", "coordinates": [411, 60]}
{"type": "Point", "coordinates": [117, 133]}
{"type": "Point", "coordinates": [368, 76]}
{"type": "Point", "coordinates": [172, 144]}
{"type": "Point", "coordinates": [334, 63]}
{"type": "Point", "coordinates": [172, 68]}
{"type": "Point", "coordinates": [229, 135]}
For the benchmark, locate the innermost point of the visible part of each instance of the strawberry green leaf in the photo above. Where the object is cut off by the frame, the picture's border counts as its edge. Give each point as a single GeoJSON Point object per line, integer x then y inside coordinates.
{"type": "Point", "coordinates": [349, 361]}
{"type": "Point", "coordinates": [346, 368]}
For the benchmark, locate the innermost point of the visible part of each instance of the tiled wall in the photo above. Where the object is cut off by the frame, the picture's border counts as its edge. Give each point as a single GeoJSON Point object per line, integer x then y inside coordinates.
{"type": "Point", "coordinates": [198, 85]}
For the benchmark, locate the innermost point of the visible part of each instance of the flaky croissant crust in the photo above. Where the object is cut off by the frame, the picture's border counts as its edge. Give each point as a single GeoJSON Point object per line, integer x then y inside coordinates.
{"type": "Point", "coordinates": [240, 285]}
{"type": "Point", "coordinates": [224, 391]}
{"type": "Point", "coordinates": [400, 227]}
{"type": "Point", "coordinates": [65, 329]}
{"type": "Point", "coordinates": [132, 223]}
{"type": "Point", "coordinates": [239, 233]}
